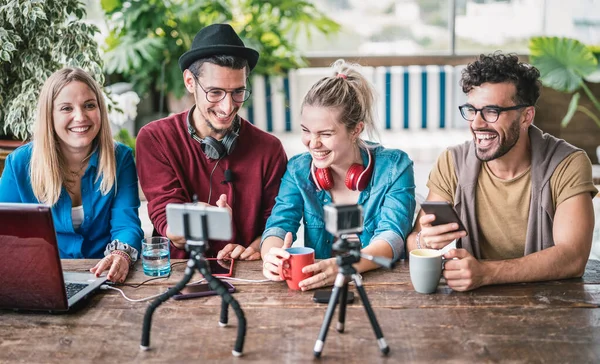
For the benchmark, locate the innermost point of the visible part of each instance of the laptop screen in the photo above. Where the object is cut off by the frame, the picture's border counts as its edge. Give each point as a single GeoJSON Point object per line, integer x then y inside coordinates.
{"type": "Point", "coordinates": [30, 274]}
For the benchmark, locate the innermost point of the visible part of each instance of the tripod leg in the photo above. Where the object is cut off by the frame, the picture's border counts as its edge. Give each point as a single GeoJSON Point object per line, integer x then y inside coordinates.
{"type": "Point", "coordinates": [227, 299]}
{"type": "Point", "coordinates": [189, 270]}
{"type": "Point", "coordinates": [383, 346]}
{"type": "Point", "coordinates": [333, 300]}
{"type": "Point", "coordinates": [342, 302]}
{"type": "Point", "coordinates": [224, 313]}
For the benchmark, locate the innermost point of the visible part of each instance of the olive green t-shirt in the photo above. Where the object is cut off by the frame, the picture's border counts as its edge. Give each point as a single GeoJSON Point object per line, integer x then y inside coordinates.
{"type": "Point", "coordinates": [502, 206]}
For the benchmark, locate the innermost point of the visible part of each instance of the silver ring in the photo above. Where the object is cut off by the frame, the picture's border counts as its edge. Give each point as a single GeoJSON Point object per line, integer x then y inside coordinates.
{"type": "Point", "coordinates": [427, 245]}
{"type": "Point", "coordinates": [324, 275]}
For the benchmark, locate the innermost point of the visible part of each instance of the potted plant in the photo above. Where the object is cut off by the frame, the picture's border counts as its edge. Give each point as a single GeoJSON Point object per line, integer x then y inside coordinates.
{"type": "Point", "coordinates": [36, 39]}
{"type": "Point", "coordinates": [148, 37]}
{"type": "Point", "coordinates": [567, 65]}
{"type": "Point", "coordinates": [564, 65]}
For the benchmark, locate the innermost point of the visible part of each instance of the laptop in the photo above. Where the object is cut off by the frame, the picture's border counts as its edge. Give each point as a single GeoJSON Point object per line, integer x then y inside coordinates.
{"type": "Point", "coordinates": [31, 276]}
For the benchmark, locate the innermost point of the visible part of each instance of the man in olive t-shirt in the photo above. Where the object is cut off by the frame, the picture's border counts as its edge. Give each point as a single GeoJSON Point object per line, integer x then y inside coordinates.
{"type": "Point", "coordinates": [501, 96]}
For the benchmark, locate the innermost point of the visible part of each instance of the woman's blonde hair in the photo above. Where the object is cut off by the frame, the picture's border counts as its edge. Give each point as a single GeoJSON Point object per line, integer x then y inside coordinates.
{"type": "Point", "coordinates": [348, 91]}
{"type": "Point", "coordinates": [48, 169]}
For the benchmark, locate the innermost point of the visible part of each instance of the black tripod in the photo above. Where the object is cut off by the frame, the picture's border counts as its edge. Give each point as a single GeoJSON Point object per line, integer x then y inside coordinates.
{"type": "Point", "coordinates": [346, 270]}
{"type": "Point", "coordinates": [197, 247]}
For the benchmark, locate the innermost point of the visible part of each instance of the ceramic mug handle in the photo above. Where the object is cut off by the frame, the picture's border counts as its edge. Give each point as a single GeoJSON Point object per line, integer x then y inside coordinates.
{"type": "Point", "coordinates": [284, 273]}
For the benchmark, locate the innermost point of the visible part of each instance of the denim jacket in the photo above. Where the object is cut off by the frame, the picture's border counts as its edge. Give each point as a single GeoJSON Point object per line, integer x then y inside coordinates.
{"type": "Point", "coordinates": [388, 203]}
{"type": "Point", "coordinates": [113, 216]}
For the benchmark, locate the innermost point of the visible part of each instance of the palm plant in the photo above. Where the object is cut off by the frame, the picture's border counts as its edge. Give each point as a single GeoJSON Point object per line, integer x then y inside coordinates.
{"type": "Point", "coordinates": [148, 37]}
{"type": "Point", "coordinates": [565, 65]}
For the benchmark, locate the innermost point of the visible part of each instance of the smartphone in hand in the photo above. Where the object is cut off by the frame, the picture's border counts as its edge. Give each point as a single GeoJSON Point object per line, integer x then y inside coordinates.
{"type": "Point", "coordinates": [444, 213]}
{"type": "Point", "coordinates": [200, 290]}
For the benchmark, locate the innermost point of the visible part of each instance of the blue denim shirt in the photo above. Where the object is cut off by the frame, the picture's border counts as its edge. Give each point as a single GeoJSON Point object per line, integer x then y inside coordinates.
{"type": "Point", "coordinates": [388, 203]}
{"type": "Point", "coordinates": [107, 217]}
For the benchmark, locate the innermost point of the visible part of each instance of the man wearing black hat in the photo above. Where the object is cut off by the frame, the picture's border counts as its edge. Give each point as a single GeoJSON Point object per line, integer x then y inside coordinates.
{"type": "Point", "coordinates": [209, 151]}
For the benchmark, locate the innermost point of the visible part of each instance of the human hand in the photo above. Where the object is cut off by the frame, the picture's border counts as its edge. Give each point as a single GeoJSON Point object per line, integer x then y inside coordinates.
{"type": "Point", "coordinates": [324, 273]}
{"type": "Point", "coordinates": [274, 259]}
{"type": "Point", "coordinates": [437, 237]}
{"type": "Point", "coordinates": [178, 241]}
{"type": "Point", "coordinates": [236, 251]}
{"type": "Point", "coordinates": [117, 265]}
{"type": "Point", "coordinates": [465, 273]}
{"type": "Point", "coordinates": [222, 202]}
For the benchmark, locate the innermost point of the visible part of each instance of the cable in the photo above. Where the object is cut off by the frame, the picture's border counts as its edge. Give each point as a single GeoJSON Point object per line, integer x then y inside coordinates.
{"type": "Point", "coordinates": [233, 279]}
{"type": "Point", "coordinates": [152, 279]}
{"type": "Point", "coordinates": [210, 180]}
{"type": "Point", "coordinates": [106, 286]}
{"type": "Point", "coordinates": [245, 280]}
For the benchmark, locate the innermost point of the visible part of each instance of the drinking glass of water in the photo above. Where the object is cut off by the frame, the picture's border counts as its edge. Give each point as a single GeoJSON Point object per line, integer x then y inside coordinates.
{"type": "Point", "coordinates": [155, 256]}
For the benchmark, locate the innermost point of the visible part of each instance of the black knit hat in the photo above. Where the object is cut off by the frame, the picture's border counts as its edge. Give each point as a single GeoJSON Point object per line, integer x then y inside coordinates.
{"type": "Point", "coordinates": [214, 40]}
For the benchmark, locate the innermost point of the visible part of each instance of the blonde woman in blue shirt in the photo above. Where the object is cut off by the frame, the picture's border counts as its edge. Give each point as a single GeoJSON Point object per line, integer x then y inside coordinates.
{"type": "Point", "coordinates": [342, 168]}
{"type": "Point", "coordinates": [74, 165]}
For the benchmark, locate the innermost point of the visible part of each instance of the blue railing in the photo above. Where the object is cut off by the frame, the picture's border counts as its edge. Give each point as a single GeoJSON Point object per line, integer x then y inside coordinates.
{"type": "Point", "coordinates": [411, 97]}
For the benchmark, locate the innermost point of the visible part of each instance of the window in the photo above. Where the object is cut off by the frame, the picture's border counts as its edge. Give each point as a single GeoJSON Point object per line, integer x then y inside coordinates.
{"type": "Point", "coordinates": [432, 27]}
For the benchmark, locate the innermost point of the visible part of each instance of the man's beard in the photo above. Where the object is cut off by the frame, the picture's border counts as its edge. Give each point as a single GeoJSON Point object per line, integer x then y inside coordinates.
{"type": "Point", "coordinates": [224, 131]}
{"type": "Point", "coordinates": [215, 130]}
{"type": "Point", "coordinates": [511, 139]}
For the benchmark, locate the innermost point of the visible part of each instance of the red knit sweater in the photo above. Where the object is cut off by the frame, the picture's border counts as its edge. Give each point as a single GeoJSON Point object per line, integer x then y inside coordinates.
{"type": "Point", "coordinates": [172, 168]}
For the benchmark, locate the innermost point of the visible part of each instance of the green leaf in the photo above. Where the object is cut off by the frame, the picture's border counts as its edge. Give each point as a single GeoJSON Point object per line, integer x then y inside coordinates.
{"type": "Point", "coordinates": [590, 114]}
{"type": "Point", "coordinates": [562, 62]}
{"type": "Point", "coordinates": [571, 110]}
{"type": "Point", "coordinates": [109, 5]}
{"type": "Point", "coordinates": [131, 54]}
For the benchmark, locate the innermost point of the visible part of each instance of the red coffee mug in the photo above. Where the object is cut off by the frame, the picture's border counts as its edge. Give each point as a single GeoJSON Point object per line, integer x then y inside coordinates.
{"type": "Point", "coordinates": [299, 258]}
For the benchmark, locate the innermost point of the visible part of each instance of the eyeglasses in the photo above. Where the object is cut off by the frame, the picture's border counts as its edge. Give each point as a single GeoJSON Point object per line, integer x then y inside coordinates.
{"type": "Point", "coordinates": [490, 114]}
{"type": "Point", "coordinates": [218, 94]}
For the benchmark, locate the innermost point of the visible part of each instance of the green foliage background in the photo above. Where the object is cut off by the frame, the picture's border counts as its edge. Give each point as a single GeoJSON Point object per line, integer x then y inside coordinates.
{"type": "Point", "coordinates": [38, 38]}
{"type": "Point", "coordinates": [564, 65]}
{"type": "Point", "coordinates": [147, 37]}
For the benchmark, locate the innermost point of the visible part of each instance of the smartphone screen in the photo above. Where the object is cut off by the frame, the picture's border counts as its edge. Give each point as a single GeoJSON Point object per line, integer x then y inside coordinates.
{"type": "Point", "coordinates": [444, 213]}
{"type": "Point", "coordinates": [200, 290]}
{"type": "Point", "coordinates": [221, 267]}
{"type": "Point", "coordinates": [324, 296]}
{"type": "Point", "coordinates": [196, 288]}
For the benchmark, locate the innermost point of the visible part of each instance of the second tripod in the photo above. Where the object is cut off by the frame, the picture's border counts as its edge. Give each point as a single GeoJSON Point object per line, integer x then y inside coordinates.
{"type": "Point", "coordinates": [340, 288]}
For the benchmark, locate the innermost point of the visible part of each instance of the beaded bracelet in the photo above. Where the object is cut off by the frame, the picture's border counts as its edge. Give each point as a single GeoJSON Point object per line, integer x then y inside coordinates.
{"type": "Point", "coordinates": [418, 240]}
{"type": "Point", "coordinates": [124, 255]}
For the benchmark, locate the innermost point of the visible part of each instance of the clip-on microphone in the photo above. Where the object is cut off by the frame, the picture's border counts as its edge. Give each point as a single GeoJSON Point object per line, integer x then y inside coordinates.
{"type": "Point", "coordinates": [197, 246]}
{"type": "Point", "coordinates": [228, 177]}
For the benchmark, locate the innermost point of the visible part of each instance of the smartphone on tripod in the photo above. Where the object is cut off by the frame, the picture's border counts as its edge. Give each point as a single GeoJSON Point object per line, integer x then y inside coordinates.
{"type": "Point", "coordinates": [218, 220]}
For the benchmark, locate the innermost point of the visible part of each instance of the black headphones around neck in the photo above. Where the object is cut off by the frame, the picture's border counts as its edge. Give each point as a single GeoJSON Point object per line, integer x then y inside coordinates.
{"type": "Point", "coordinates": [213, 148]}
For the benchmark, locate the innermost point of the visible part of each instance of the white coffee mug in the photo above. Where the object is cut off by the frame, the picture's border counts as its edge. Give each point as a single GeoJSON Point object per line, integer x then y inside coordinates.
{"type": "Point", "coordinates": [425, 269]}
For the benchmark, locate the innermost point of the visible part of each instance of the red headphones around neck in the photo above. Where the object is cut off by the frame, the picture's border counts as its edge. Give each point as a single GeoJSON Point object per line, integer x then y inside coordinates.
{"type": "Point", "coordinates": [357, 177]}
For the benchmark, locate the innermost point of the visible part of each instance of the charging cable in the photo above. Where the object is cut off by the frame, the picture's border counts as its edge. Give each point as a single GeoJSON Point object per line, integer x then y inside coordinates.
{"type": "Point", "coordinates": [245, 280]}
{"type": "Point", "coordinates": [106, 286]}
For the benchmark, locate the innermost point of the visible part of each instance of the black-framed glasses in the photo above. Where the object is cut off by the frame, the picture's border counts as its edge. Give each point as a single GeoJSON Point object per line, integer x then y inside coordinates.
{"type": "Point", "coordinates": [217, 94]}
{"type": "Point", "coordinates": [490, 114]}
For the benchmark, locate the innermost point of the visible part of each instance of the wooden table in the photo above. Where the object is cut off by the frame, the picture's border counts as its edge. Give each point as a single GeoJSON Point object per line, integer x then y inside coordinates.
{"type": "Point", "coordinates": [549, 322]}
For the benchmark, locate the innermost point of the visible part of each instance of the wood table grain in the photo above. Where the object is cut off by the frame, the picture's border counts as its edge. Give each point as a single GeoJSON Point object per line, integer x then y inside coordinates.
{"type": "Point", "coordinates": [547, 322]}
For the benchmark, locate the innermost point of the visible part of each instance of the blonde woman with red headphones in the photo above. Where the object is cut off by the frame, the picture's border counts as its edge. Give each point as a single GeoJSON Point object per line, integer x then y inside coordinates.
{"type": "Point", "coordinates": [340, 168]}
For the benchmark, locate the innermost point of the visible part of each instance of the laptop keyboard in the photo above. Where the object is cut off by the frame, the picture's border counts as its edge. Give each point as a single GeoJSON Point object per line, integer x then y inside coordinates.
{"type": "Point", "coordinates": [74, 288]}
